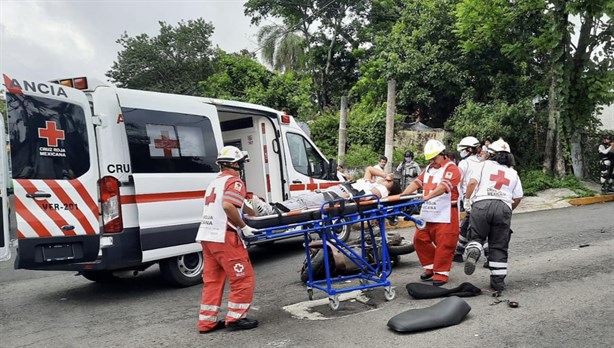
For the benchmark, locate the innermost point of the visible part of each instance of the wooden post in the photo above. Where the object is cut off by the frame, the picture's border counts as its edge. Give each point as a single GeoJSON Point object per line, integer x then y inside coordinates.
{"type": "Point", "coordinates": [390, 110]}
{"type": "Point", "coordinates": [342, 130]}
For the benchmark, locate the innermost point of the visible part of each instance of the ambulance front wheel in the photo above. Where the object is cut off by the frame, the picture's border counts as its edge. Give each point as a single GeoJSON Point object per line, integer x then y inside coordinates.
{"type": "Point", "coordinates": [184, 270]}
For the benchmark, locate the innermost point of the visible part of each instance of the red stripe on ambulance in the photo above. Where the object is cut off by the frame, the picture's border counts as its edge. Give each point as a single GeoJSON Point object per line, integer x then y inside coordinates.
{"type": "Point", "coordinates": [53, 214]}
{"type": "Point", "coordinates": [66, 199]}
{"type": "Point", "coordinates": [30, 219]}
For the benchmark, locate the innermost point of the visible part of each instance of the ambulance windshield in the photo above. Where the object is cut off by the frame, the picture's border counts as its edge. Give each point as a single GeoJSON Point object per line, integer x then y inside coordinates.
{"type": "Point", "coordinates": [48, 138]}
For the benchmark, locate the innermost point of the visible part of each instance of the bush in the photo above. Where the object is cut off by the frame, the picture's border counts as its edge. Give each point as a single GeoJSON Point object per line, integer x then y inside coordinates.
{"type": "Point", "coordinates": [535, 180]}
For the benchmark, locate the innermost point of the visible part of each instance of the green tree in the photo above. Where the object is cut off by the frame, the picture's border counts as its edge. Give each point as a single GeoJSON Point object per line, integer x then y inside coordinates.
{"type": "Point", "coordinates": [420, 52]}
{"type": "Point", "coordinates": [574, 77]}
{"type": "Point", "coordinates": [174, 61]}
{"type": "Point", "coordinates": [282, 48]}
{"type": "Point", "coordinates": [329, 29]}
{"type": "Point", "coordinates": [3, 112]}
{"type": "Point", "coordinates": [238, 76]}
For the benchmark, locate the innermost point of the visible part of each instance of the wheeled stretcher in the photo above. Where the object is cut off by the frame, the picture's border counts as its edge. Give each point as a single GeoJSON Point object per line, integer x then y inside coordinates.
{"type": "Point", "coordinates": [335, 214]}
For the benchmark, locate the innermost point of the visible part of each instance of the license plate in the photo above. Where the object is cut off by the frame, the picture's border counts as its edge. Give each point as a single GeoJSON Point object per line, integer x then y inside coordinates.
{"type": "Point", "coordinates": [58, 252]}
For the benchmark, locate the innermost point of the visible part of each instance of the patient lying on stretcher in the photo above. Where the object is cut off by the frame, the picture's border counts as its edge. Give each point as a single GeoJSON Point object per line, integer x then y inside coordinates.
{"type": "Point", "coordinates": [374, 182]}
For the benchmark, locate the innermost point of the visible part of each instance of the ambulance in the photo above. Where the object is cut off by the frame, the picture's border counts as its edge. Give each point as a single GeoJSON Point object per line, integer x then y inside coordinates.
{"type": "Point", "coordinates": [109, 181]}
{"type": "Point", "coordinates": [5, 251]}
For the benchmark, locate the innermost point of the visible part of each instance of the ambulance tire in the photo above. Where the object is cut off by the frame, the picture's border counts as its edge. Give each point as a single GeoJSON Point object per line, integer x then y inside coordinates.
{"type": "Point", "coordinates": [99, 276]}
{"type": "Point", "coordinates": [183, 271]}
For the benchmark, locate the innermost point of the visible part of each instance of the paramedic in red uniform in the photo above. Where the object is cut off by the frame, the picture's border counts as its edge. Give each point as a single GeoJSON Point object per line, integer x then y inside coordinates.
{"type": "Point", "coordinates": [436, 242]}
{"type": "Point", "coordinates": [224, 254]}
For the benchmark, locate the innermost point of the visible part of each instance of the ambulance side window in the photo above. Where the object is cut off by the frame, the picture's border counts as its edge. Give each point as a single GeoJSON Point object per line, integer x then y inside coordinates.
{"type": "Point", "coordinates": [166, 142]}
{"type": "Point", "coordinates": [48, 138]}
{"type": "Point", "coordinates": [305, 159]}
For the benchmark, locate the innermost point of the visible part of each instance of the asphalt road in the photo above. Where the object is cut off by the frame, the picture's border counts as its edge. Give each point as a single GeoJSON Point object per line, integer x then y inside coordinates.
{"type": "Point", "coordinates": [564, 291]}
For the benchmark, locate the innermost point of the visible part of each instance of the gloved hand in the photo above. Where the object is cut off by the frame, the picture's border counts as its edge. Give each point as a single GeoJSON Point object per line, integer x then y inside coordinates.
{"type": "Point", "coordinates": [247, 231]}
{"type": "Point", "coordinates": [467, 204]}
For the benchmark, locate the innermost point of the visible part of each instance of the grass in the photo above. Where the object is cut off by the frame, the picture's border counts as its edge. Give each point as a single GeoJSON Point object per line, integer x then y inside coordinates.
{"type": "Point", "coordinates": [534, 181]}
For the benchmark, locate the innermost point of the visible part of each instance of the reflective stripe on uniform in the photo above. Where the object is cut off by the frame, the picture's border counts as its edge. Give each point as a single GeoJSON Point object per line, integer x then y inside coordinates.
{"type": "Point", "coordinates": [443, 273]}
{"type": "Point", "coordinates": [498, 271]}
{"type": "Point", "coordinates": [497, 264]}
{"type": "Point", "coordinates": [207, 317]}
{"type": "Point", "coordinates": [236, 315]}
{"type": "Point", "coordinates": [238, 305]}
{"type": "Point", "coordinates": [428, 266]}
{"type": "Point", "coordinates": [212, 308]}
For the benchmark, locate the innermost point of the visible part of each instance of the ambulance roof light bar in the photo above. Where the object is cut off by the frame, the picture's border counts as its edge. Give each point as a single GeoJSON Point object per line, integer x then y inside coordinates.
{"type": "Point", "coordinates": [77, 82]}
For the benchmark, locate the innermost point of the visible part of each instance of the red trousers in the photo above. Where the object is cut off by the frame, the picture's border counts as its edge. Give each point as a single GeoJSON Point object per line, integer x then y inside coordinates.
{"type": "Point", "coordinates": [435, 245]}
{"type": "Point", "coordinates": [228, 260]}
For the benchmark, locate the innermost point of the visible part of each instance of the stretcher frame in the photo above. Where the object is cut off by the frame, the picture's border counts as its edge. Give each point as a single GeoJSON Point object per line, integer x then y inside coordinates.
{"type": "Point", "coordinates": [338, 213]}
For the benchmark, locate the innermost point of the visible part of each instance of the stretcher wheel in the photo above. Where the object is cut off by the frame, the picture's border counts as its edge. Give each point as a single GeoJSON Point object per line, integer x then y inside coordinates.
{"type": "Point", "coordinates": [333, 302]}
{"type": "Point", "coordinates": [390, 293]}
{"type": "Point", "coordinates": [310, 294]}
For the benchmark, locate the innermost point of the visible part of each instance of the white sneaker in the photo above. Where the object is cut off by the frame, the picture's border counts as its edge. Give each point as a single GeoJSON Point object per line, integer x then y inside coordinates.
{"type": "Point", "coordinates": [261, 207]}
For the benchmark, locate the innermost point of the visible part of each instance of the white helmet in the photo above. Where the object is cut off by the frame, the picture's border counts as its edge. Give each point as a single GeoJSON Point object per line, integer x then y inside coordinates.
{"type": "Point", "coordinates": [467, 142]}
{"type": "Point", "coordinates": [231, 154]}
{"type": "Point", "coordinates": [433, 148]}
{"type": "Point", "coordinates": [500, 146]}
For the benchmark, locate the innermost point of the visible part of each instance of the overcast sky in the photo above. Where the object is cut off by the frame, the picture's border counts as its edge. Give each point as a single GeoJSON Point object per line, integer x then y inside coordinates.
{"type": "Point", "coordinates": [42, 40]}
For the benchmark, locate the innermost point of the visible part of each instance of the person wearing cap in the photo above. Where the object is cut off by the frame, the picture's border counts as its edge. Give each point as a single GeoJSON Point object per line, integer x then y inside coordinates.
{"type": "Point", "coordinates": [408, 169]}
{"type": "Point", "coordinates": [470, 150]}
{"type": "Point", "coordinates": [224, 253]}
{"type": "Point", "coordinates": [498, 192]}
{"type": "Point", "coordinates": [436, 242]}
{"type": "Point", "coordinates": [606, 163]}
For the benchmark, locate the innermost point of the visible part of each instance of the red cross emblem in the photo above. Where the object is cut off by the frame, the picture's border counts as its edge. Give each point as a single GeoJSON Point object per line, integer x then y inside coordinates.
{"type": "Point", "coordinates": [166, 143]}
{"type": "Point", "coordinates": [211, 197]}
{"type": "Point", "coordinates": [51, 133]}
{"type": "Point", "coordinates": [500, 179]}
{"type": "Point", "coordinates": [429, 185]}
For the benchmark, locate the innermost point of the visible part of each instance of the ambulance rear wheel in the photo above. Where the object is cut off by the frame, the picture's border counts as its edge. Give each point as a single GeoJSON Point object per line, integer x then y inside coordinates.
{"type": "Point", "coordinates": [184, 270]}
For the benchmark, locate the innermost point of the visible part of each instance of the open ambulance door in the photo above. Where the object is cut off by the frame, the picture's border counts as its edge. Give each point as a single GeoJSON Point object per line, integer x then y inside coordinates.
{"type": "Point", "coordinates": [5, 251]}
{"type": "Point", "coordinates": [55, 174]}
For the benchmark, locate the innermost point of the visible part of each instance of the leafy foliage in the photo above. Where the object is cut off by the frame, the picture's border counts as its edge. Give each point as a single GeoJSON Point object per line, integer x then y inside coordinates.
{"type": "Point", "coordinates": [240, 77]}
{"type": "Point", "coordinates": [174, 61]}
{"type": "Point", "coordinates": [516, 123]}
{"type": "Point", "coordinates": [534, 181]}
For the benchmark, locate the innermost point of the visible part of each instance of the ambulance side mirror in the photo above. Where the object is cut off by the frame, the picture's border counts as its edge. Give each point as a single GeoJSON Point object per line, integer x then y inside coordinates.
{"type": "Point", "coordinates": [331, 173]}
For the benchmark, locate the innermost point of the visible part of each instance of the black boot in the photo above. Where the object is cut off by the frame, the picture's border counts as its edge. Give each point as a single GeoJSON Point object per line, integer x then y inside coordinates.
{"type": "Point", "coordinates": [604, 189]}
{"type": "Point", "coordinates": [610, 189]}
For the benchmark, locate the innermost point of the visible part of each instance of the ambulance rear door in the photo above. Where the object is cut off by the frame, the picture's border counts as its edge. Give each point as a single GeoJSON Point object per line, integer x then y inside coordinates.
{"type": "Point", "coordinates": [5, 251]}
{"type": "Point", "coordinates": [55, 174]}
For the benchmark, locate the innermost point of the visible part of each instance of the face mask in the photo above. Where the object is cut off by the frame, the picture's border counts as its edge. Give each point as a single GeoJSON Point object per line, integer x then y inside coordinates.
{"type": "Point", "coordinates": [407, 159]}
{"type": "Point", "coordinates": [464, 153]}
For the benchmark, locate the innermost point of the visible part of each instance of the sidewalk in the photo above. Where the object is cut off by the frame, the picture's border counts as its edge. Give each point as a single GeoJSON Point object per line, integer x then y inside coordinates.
{"type": "Point", "coordinates": [544, 200]}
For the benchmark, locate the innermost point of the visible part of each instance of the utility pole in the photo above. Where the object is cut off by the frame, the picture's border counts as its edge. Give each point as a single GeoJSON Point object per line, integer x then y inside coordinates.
{"type": "Point", "coordinates": [390, 109]}
{"type": "Point", "coordinates": [342, 130]}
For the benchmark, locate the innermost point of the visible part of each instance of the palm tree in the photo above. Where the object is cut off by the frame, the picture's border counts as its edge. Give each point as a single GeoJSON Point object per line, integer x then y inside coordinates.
{"type": "Point", "coordinates": [282, 48]}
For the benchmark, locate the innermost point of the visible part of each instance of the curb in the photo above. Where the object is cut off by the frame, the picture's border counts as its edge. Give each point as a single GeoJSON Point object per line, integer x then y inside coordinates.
{"type": "Point", "coordinates": [591, 200]}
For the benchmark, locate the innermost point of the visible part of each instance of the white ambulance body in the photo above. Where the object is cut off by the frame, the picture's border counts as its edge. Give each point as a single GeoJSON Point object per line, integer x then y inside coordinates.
{"type": "Point", "coordinates": [5, 251]}
{"type": "Point", "coordinates": [108, 179]}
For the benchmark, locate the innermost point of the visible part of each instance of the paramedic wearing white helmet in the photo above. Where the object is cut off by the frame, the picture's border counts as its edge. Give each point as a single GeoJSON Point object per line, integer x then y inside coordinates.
{"type": "Point", "coordinates": [470, 150]}
{"type": "Point", "coordinates": [224, 254]}
{"type": "Point", "coordinates": [435, 244]}
{"type": "Point", "coordinates": [499, 191]}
